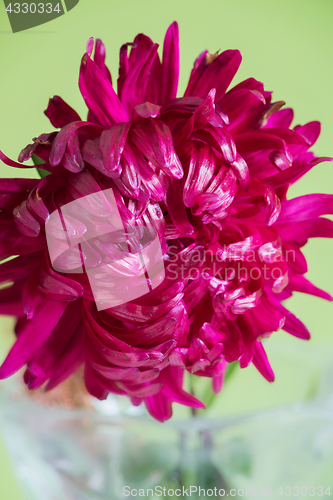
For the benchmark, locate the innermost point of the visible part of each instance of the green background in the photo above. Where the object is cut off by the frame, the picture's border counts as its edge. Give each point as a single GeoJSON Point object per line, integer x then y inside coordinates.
{"type": "Point", "coordinates": [287, 44]}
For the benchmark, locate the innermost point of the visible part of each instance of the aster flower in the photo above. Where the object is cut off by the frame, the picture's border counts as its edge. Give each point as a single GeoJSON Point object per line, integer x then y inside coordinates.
{"type": "Point", "coordinates": [209, 174]}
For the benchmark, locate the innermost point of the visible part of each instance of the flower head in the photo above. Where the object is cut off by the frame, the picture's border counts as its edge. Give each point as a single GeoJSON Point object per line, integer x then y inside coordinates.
{"type": "Point", "coordinates": [208, 173]}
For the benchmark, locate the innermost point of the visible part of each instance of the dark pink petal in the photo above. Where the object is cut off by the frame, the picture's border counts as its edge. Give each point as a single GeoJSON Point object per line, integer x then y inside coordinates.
{"type": "Point", "coordinates": [92, 154]}
{"type": "Point", "coordinates": [41, 144]}
{"type": "Point", "coordinates": [279, 160]}
{"type": "Point", "coordinates": [13, 242]}
{"type": "Point", "coordinates": [60, 143]}
{"type": "Point", "coordinates": [60, 113]}
{"type": "Point", "coordinates": [216, 74]}
{"type": "Point", "coordinates": [249, 142]}
{"type": "Point", "coordinates": [154, 140]}
{"type": "Point", "coordinates": [93, 384]}
{"type": "Point", "coordinates": [194, 292]}
{"type": "Point", "coordinates": [261, 362]}
{"type": "Point", "coordinates": [114, 372]}
{"type": "Point", "coordinates": [172, 379]}
{"type": "Point", "coordinates": [42, 361]}
{"type": "Point", "coordinates": [215, 353]}
{"type": "Point", "coordinates": [137, 79]}
{"type": "Point", "coordinates": [144, 376]}
{"type": "Point", "coordinates": [141, 314]}
{"type": "Point", "coordinates": [84, 184]}
{"type": "Point", "coordinates": [294, 257]}
{"type": "Point", "coordinates": [184, 132]}
{"type": "Point", "coordinates": [175, 206]}
{"type": "Point", "coordinates": [289, 136]}
{"type": "Point", "coordinates": [205, 111]}
{"type": "Point", "coordinates": [291, 324]}
{"type": "Point", "coordinates": [207, 201]}
{"type": "Point", "coordinates": [36, 205]}
{"type": "Point", "coordinates": [274, 205]}
{"type": "Point", "coordinates": [17, 185]}
{"type": "Point", "coordinates": [154, 217]}
{"type": "Point", "coordinates": [147, 336]}
{"type": "Point", "coordinates": [69, 360]}
{"type": "Point", "coordinates": [291, 175]}
{"type": "Point", "coordinates": [12, 163]}
{"type": "Point", "coordinates": [306, 207]}
{"type": "Point", "coordinates": [19, 268]}
{"type": "Point", "coordinates": [310, 131]}
{"type": "Point", "coordinates": [198, 63]}
{"type": "Point", "coordinates": [35, 332]}
{"type": "Point", "coordinates": [146, 110]}
{"type": "Point", "coordinates": [99, 95]}
{"type": "Point", "coordinates": [128, 191]}
{"type": "Point", "coordinates": [131, 179]}
{"type": "Point", "coordinates": [135, 159]}
{"type": "Point", "coordinates": [159, 406]}
{"type": "Point", "coordinates": [31, 296]}
{"type": "Point", "coordinates": [57, 287]}
{"type": "Point", "coordinates": [183, 105]}
{"type": "Point", "coordinates": [217, 382]}
{"type": "Point", "coordinates": [281, 118]}
{"type": "Point", "coordinates": [10, 301]}
{"type": "Point", "coordinates": [298, 283]}
{"type": "Point", "coordinates": [242, 171]}
{"type": "Point", "coordinates": [233, 344]}
{"type": "Point", "coordinates": [305, 229]}
{"type": "Point", "coordinates": [156, 189]}
{"type": "Point", "coordinates": [236, 103]}
{"type": "Point", "coordinates": [140, 45]}
{"type": "Point", "coordinates": [211, 335]}
{"type": "Point", "coordinates": [141, 391]}
{"type": "Point", "coordinates": [223, 187]}
{"type": "Point", "coordinates": [72, 159]}
{"type": "Point", "coordinates": [170, 64]}
{"type": "Point", "coordinates": [112, 144]}
{"type": "Point", "coordinates": [243, 304]}
{"type": "Point", "coordinates": [129, 358]}
{"type": "Point", "coordinates": [154, 86]}
{"type": "Point", "coordinates": [295, 327]}
{"type": "Point", "coordinates": [219, 139]}
{"type": "Point", "coordinates": [252, 84]}
{"type": "Point", "coordinates": [184, 262]}
{"type": "Point", "coordinates": [197, 350]}
{"type": "Point", "coordinates": [123, 67]}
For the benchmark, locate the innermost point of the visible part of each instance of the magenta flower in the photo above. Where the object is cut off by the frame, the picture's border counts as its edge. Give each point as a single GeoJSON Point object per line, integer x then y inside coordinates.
{"type": "Point", "coordinates": [209, 174]}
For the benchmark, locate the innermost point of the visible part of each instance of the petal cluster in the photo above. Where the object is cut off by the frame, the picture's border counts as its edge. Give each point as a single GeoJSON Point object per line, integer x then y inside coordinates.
{"type": "Point", "coordinates": [209, 173]}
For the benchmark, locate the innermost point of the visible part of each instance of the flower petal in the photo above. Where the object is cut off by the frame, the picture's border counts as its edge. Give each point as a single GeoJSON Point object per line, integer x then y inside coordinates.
{"type": "Point", "coordinates": [216, 74]}
{"type": "Point", "coordinates": [112, 144]}
{"type": "Point", "coordinates": [60, 113]}
{"type": "Point", "coordinates": [99, 95]}
{"type": "Point", "coordinates": [32, 336]}
{"type": "Point", "coordinates": [261, 362]}
{"type": "Point", "coordinates": [154, 140]}
{"type": "Point", "coordinates": [201, 169]}
{"type": "Point", "coordinates": [137, 79]}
